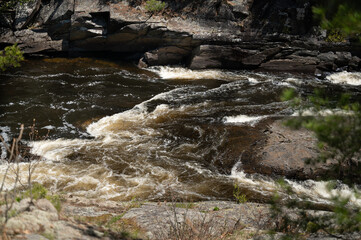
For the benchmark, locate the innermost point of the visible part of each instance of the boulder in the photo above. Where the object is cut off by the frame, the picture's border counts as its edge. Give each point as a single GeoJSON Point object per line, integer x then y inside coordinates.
{"type": "Point", "coordinates": [36, 42]}
{"type": "Point", "coordinates": [214, 56]}
{"type": "Point", "coordinates": [284, 153]}
{"type": "Point", "coordinates": [166, 56]}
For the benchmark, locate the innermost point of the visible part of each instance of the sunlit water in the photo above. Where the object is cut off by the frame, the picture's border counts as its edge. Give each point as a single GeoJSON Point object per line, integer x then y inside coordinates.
{"type": "Point", "coordinates": [118, 132]}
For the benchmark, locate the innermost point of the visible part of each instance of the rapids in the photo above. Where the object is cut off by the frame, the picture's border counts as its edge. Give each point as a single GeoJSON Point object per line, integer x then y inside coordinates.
{"type": "Point", "coordinates": [118, 132]}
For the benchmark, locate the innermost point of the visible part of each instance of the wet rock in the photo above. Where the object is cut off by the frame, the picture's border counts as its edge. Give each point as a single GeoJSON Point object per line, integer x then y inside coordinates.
{"type": "Point", "coordinates": [284, 153]}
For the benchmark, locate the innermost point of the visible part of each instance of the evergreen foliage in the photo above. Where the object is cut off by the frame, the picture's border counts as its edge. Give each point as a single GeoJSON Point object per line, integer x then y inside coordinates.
{"type": "Point", "coordinates": [342, 18]}
{"type": "Point", "coordinates": [336, 125]}
{"type": "Point", "coordinates": [154, 6]}
{"type": "Point", "coordinates": [11, 56]}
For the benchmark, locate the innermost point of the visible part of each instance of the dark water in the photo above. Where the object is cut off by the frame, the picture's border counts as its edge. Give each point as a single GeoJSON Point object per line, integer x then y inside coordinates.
{"type": "Point", "coordinates": [168, 130]}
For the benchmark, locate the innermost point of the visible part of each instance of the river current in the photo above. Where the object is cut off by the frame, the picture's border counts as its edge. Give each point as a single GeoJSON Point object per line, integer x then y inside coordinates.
{"type": "Point", "coordinates": [118, 132]}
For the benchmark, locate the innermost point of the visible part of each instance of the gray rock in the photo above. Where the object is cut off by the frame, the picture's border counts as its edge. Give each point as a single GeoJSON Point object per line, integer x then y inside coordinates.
{"type": "Point", "coordinates": [90, 6]}
{"type": "Point", "coordinates": [34, 42]}
{"type": "Point", "coordinates": [327, 57]}
{"type": "Point", "coordinates": [34, 221]}
{"type": "Point", "coordinates": [45, 205]}
{"type": "Point", "coordinates": [304, 65]}
{"type": "Point", "coordinates": [23, 12]}
{"type": "Point", "coordinates": [166, 56]}
{"type": "Point", "coordinates": [284, 153]}
{"type": "Point", "coordinates": [160, 218]}
{"type": "Point", "coordinates": [30, 237]}
{"type": "Point", "coordinates": [256, 59]}
{"type": "Point", "coordinates": [213, 56]}
{"type": "Point", "coordinates": [55, 11]}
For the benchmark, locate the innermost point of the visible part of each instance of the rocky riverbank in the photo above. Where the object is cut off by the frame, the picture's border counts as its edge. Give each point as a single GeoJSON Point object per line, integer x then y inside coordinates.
{"type": "Point", "coordinates": [82, 218]}
{"type": "Point", "coordinates": [240, 34]}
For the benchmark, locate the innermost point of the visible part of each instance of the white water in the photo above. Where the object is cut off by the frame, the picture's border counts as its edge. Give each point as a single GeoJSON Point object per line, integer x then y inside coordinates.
{"type": "Point", "coordinates": [315, 191]}
{"type": "Point", "coordinates": [322, 113]}
{"type": "Point", "coordinates": [243, 119]}
{"type": "Point", "coordinates": [351, 78]}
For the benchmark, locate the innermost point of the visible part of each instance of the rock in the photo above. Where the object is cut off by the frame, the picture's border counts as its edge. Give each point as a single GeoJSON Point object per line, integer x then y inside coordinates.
{"type": "Point", "coordinates": [280, 16]}
{"type": "Point", "coordinates": [158, 219]}
{"type": "Point", "coordinates": [343, 58]}
{"type": "Point", "coordinates": [304, 65]}
{"type": "Point", "coordinates": [35, 42]}
{"type": "Point", "coordinates": [55, 11]}
{"type": "Point", "coordinates": [327, 57]}
{"type": "Point", "coordinates": [91, 6]}
{"type": "Point", "coordinates": [166, 56]}
{"type": "Point", "coordinates": [30, 237]}
{"type": "Point", "coordinates": [84, 25]}
{"type": "Point", "coordinates": [84, 211]}
{"type": "Point", "coordinates": [19, 207]}
{"type": "Point", "coordinates": [6, 19]}
{"type": "Point", "coordinates": [7, 36]}
{"type": "Point", "coordinates": [256, 59]}
{"type": "Point", "coordinates": [212, 56]}
{"type": "Point", "coordinates": [241, 8]}
{"type": "Point", "coordinates": [45, 205]}
{"type": "Point", "coordinates": [34, 221]}
{"type": "Point", "coordinates": [23, 12]}
{"type": "Point", "coordinates": [234, 34]}
{"type": "Point", "coordinates": [354, 63]}
{"type": "Point", "coordinates": [284, 153]}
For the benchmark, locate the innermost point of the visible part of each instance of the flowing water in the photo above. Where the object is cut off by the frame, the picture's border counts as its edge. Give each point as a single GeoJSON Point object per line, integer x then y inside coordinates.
{"type": "Point", "coordinates": [118, 132]}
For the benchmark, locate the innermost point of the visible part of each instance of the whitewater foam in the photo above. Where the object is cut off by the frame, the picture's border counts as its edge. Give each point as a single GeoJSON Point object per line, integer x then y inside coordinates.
{"type": "Point", "coordinates": [350, 78]}
{"type": "Point", "coordinates": [5, 135]}
{"type": "Point", "coordinates": [323, 113]}
{"type": "Point", "coordinates": [243, 119]}
{"type": "Point", "coordinates": [315, 191]}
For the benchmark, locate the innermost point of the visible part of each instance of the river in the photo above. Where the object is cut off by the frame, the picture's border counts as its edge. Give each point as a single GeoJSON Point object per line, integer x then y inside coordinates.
{"type": "Point", "coordinates": [118, 132]}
